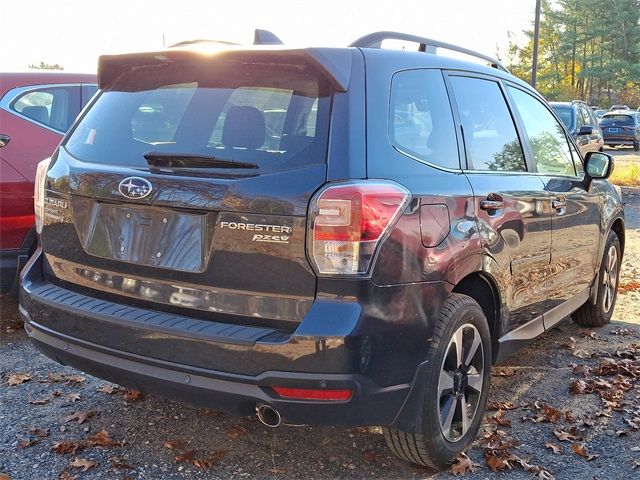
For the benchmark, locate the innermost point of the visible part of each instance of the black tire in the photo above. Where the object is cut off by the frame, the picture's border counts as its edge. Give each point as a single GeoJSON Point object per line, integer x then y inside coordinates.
{"type": "Point", "coordinates": [590, 315]}
{"type": "Point", "coordinates": [434, 446]}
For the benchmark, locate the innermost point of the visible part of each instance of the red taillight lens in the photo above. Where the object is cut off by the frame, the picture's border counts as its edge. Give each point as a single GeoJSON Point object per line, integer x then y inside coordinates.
{"type": "Point", "coordinates": [313, 394]}
{"type": "Point", "coordinates": [347, 222]}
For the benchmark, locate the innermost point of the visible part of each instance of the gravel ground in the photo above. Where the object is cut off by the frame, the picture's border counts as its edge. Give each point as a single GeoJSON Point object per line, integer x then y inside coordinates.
{"type": "Point", "coordinates": [143, 437]}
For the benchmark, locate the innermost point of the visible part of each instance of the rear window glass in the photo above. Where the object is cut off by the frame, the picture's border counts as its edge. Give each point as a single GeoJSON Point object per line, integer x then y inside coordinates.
{"type": "Point", "coordinates": [617, 119]}
{"type": "Point", "coordinates": [268, 114]}
{"type": "Point", "coordinates": [565, 114]}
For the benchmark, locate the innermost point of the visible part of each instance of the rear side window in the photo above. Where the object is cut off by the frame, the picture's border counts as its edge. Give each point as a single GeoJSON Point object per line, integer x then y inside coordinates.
{"type": "Point", "coordinates": [546, 136]}
{"type": "Point", "coordinates": [55, 107]}
{"type": "Point", "coordinates": [420, 119]}
{"type": "Point", "coordinates": [263, 113]}
{"type": "Point", "coordinates": [490, 136]}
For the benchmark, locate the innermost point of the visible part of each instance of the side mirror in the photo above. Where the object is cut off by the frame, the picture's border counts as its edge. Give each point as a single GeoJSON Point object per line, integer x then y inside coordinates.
{"type": "Point", "coordinates": [598, 165]}
{"type": "Point", "coordinates": [4, 139]}
{"type": "Point", "coordinates": [586, 130]}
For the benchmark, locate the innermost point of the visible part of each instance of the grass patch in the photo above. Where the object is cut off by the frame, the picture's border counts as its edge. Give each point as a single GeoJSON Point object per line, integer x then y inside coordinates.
{"type": "Point", "coordinates": [626, 175]}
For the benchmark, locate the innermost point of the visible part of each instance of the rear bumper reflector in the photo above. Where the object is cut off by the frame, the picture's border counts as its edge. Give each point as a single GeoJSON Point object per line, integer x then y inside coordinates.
{"type": "Point", "coordinates": [313, 394]}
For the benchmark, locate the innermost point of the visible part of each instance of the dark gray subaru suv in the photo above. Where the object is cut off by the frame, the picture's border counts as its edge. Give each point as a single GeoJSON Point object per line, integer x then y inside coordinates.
{"type": "Point", "coordinates": [347, 236]}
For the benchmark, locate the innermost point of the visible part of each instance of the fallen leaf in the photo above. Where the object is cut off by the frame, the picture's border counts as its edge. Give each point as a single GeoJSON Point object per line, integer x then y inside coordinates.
{"type": "Point", "coordinates": [588, 333]}
{"type": "Point", "coordinates": [581, 353]}
{"type": "Point", "coordinates": [583, 370]}
{"type": "Point", "coordinates": [64, 378]}
{"type": "Point", "coordinates": [555, 448]}
{"type": "Point", "coordinates": [108, 389]}
{"type": "Point", "coordinates": [120, 463]}
{"type": "Point", "coordinates": [502, 406]}
{"type": "Point", "coordinates": [371, 456]}
{"type": "Point", "coordinates": [40, 432]}
{"type": "Point", "coordinates": [497, 462]}
{"type": "Point", "coordinates": [4, 476]}
{"type": "Point", "coordinates": [133, 396]}
{"type": "Point", "coordinates": [624, 287]}
{"type": "Point", "coordinates": [622, 331]}
{"type": "Point", "coordinates": [276, 470]}
{"type": "Point", "coordinates": [41, 401]}
{"type": "Point", "coordinates": [236, 431]}
{"type": "Point", "coordinates": [83, 463]}
{"type": "Point", "coordinates": [635, 464]}
{"type": "Point", "coordinates": [68, 446]}
{"type": "Point", "coordinates": [102, 439]}
{"type": "Point", "coordinates": [25, 442]}
{"type": "Point", "coordinates": [186, 456]}
{"type": "Point", "coordinates": [500, 420]}
{"type": "Point", "coordinates": [65, 475]}
{"type": "Point", "coordinates": [81, 417]}
{"type": "Point", "coordinates": [210, 460]}
{"type": "Point", "coordinates": [579, 387]}
{"type": "Point", "coordinates": [463, 464]}
{"type": "Point", "coordinates": [580, 449]}
{"type": "Point", "coordinates": [503, 372]}
{"type": "Point", "coordinates": [572, 434]}
{"type": "Point", "coordinates": [72, 397]}
{"type": "Point", "coordinates": [14, 379]}
{"type": "Point", "coordinates": [174, 444]}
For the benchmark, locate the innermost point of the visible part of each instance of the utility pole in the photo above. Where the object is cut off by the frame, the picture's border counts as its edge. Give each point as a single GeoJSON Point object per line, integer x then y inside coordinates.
{"type": "Point", "coordinates": [536, 36]}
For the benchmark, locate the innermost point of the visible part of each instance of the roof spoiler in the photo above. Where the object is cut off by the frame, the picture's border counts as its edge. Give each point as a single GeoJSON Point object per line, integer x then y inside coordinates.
{"type": "Point", "coordinates": [335, 64]}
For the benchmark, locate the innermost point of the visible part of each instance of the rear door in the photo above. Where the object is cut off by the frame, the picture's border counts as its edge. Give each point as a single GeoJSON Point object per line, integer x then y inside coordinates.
{"type": "Point", "coordinates": [575, 210]}
{"type": "Point", "coordinates": [510, 199]}
{"type": "Point", "coordinates": [187, 184]}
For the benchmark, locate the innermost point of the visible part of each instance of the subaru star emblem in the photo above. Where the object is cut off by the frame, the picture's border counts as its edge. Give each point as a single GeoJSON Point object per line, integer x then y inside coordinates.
{"type": "Point", "coordinates": [135, 187]}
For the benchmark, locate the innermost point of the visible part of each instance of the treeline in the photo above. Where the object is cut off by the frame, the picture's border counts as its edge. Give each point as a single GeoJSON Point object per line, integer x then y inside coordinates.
{"type": "Point", "coordinates": [588, 50]}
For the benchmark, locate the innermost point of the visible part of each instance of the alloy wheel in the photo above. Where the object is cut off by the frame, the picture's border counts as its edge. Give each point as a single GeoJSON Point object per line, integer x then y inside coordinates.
{"type": "Point", "coordinates": [461, 382]}
{"type": "Point", "coordinates": [610, 279]}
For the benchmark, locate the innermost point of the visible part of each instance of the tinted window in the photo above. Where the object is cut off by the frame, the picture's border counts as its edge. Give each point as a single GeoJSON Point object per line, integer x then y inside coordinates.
{"type": "Point", "coordinates": [55, 107]}
{"type": "Point", "coordinates": [490, 136]}
{"type": "Point", "coordinates": [588, 116]}
{"type": "Point", "coordinates": [548, 141]}
{"type": "Point", "coordinates": [565, 113]}
{"type": "Point", "coordinates": [264, 113]}
{"type": "Point", "coordinates": [420, 119]}
{"type": "Point", "coordinates": [87, 92]}
{"type": "Point", "coordinates": [617, 119]}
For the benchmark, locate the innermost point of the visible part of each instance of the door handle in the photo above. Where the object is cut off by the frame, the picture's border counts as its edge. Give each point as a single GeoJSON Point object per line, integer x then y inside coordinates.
{"type": "Point", "coordinates": [558, 203]}
{"type": "Point", "coordinates": [4, 139]}
{"type": "Point", "coordinates": [493, 202]}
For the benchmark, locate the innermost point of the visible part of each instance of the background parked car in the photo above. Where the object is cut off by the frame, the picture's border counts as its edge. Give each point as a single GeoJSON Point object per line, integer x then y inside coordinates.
{"type": "Point", "coordinates": [621, 128]}
{"type": "Point", "coordinates": [619, 107]}
{"type": "Point", "coordinates": [36, 109]}
{"type": "Point", "coordinates": [598, 112]}
{"type": "Point", "coordinates": [581, 123]}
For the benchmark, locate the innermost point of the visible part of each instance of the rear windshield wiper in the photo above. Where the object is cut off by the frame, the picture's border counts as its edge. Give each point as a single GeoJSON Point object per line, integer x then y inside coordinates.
{"type": "Point", "coordinates": [190, 160]}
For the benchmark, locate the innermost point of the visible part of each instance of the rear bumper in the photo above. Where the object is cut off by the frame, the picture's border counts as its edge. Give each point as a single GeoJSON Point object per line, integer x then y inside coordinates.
{"type": "Point", "coordinates": [620, 139]}
{"type": "Point", "coordinates": [227, 367]}
{"type": "Point", "coordinates": [369, 405]}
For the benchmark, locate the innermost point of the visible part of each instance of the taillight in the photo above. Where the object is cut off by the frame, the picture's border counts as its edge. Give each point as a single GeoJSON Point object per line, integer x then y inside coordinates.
{"type": "Point", "coordinates": [38, 193]}
{"type": "Point", "coordinates": [347, 222]}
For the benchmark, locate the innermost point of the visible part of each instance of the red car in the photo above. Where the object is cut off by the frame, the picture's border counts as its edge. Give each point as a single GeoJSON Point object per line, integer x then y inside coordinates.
{"type": "Point", "coordinates": [36, 109]}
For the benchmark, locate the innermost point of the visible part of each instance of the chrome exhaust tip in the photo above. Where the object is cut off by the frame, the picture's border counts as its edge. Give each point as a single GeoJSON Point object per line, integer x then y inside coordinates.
{"type": "Point", "coordinates": [268, 415]}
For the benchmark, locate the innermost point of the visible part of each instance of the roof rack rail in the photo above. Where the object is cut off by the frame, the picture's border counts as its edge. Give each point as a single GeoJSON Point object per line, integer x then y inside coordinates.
{"type": "Point", "coordinates": [374, 40]}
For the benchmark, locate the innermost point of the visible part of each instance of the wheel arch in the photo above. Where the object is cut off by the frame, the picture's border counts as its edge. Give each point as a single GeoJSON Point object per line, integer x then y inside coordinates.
{"type": "Point", "coordinates": [483, 288]}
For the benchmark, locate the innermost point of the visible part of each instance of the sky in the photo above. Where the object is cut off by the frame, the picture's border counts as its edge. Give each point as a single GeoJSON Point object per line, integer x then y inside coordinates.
{"type": "Point", "coordinates": [73, 33]}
